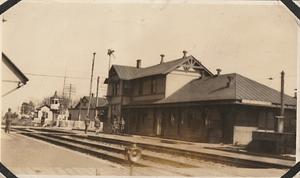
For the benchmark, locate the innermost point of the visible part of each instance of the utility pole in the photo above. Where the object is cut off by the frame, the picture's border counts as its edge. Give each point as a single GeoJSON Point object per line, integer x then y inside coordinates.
{"type": "Point", "coordinates": [282, 94]}
{"type": "Point", "coordinates": [70, 92]}
{"type": "Point", "coordinates": [279, 120]}
{"type": "Point", "coordinates": [91, 83]}
{"type": "Point", "coordinates": [63, 102]}
{"type": "Point", "coordinates": [298, 107]}
{"type": "Point", "coordinates": [98, 78]}
{"type": "Point", "coordinates": [63, 91]}
{"type": "Point", "coordinates": [109, 114]}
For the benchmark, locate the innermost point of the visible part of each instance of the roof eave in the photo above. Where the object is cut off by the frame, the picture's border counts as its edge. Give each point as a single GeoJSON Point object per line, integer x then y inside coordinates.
{"type": "Point", "coordinates": [14, 69]}
{"type": "Point", "coordinates": [204, 67]}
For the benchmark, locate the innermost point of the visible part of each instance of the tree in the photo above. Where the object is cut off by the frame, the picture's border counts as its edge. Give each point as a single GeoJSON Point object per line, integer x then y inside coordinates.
{"type": "Point", "coordinates": [27, 108]}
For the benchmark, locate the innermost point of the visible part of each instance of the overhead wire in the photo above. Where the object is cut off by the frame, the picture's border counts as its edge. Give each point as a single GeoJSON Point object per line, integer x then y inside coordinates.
{"type": "Point", "coordinates": [58, 76]}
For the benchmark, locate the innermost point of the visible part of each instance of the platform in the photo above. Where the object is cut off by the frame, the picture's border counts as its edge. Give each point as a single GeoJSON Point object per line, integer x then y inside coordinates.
{"type": "Point", "coordinates": [18, 149]}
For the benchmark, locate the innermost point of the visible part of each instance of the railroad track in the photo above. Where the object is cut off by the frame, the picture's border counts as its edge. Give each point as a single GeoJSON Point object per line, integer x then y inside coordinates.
{"type": "Point", "coordinates": [108, 151]}
{"type": "Point", "coordinates": [154, 156]}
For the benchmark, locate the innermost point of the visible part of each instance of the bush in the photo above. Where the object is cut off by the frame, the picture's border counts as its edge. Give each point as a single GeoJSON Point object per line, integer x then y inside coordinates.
{"type": "Point", "coordinates": [22, 122]}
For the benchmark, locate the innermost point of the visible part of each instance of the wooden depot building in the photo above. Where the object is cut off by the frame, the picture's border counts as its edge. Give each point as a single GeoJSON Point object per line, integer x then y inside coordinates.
{"type": "Point", "coordinates": [182, 99]}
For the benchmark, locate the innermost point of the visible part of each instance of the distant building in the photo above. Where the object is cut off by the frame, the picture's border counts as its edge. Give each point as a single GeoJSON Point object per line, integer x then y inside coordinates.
{"type": "Point", "coordinates": [79, 112]}
{"type": "Point", "coordinates": [55, 102]}
{"type": "Point", "coordinates": [182, 99]}
{"type": "Point", "coordinates": [44, 110]}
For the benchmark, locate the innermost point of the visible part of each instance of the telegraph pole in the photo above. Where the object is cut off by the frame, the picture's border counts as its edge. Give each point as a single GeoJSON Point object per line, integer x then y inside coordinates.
{"type": "Point", "coordinates": [63, 91]}
{"type": "Point", "coordinates": [91, 83]}
{"type": "Point", "coordinates": [109, 114]}
{"type": "Point", "coordinates": [298, 107]}
{"type": "Point", "coordinates": [282, 94]}
{"type": "Point", "coordinates": [70, 92]}
{"type": "Point", "coordinates": [98, 78]}
{"type": "Point", "coordinates": [63, 101]}
{"type": "Point", "coordinates": [279, 120]}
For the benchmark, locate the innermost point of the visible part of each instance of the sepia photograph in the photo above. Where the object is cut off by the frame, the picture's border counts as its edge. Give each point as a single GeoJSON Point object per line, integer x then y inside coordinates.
{"type": "Point", "coordinates": [185, 88]}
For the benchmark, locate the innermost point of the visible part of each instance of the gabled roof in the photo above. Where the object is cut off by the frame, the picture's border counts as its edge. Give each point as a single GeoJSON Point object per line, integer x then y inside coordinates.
{"type": "Point", "coordinates": [215, 88]}
{"type": "Point", "coordinates": [129, 73]}
{"type": "Point", "coordinates": [101, 101]}
{"type": "Point", "coordinates": [44, 105]}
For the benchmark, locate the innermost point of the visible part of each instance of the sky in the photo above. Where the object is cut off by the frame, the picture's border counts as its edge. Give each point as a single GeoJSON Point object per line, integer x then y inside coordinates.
{"type": "Point", "coordinates": [257, 40]}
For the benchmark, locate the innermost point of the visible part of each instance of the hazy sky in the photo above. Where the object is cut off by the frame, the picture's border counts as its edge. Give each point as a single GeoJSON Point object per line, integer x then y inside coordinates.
{"type": "Point", "coordinates": [257, 41]}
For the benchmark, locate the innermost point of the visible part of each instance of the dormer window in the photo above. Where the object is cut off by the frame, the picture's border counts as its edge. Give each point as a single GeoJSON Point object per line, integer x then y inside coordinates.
{"type": "Point", "coordinates": [157, 86]}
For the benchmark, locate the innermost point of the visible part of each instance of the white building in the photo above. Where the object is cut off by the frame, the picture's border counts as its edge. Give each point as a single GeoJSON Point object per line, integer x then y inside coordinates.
{"type": "Point", "coordinates": [45, 111]}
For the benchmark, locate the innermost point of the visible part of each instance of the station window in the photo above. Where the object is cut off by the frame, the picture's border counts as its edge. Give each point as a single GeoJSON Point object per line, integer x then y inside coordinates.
{"type": "Point", "coordinates": [115, 89]}
{"type": "Point", "coordinates": [140, 88]}
{"type": "Point", "coordinates": [154, 86]}
{"type": "Point", "coordinates": [147, 87]}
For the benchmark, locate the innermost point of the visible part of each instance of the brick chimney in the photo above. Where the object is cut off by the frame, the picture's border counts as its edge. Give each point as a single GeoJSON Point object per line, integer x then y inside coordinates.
{"type": "Point", "coordinates": [218, 72]}
{"type": "Point", "coordinates": [162, 58]}
{"type": "Point", "coordinates": [138, 63]}
{"type": "Point", "coordinates": [184, 53]}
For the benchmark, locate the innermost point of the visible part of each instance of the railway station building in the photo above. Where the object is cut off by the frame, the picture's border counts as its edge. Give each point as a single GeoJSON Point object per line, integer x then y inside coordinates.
{"type": "Point", "coordinates": [182, 99]}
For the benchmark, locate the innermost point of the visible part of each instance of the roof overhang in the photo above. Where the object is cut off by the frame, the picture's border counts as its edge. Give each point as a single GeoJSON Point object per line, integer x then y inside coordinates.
{"type": "Point", "coordinates": [18, 73]}
{"type": "Point", "coordinates": [40, 107]}
{"type": "Point", "coordinates": [21, 79]}
{"type": "Point", "coordinates": [181, 104]}
{"type": "Point", "coordinates": [269, 105]}
{"type": "Point", "coordinates": [206, 103]}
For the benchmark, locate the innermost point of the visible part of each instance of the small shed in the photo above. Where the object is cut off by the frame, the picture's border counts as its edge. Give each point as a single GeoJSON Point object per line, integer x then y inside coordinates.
{"type": "Point", "coordinates": [44, 110]}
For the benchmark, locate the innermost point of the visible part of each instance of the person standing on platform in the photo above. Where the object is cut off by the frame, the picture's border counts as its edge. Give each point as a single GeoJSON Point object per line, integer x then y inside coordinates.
{"type": "Point", "coordinates": [97, 124]}
{"type": "Point", "coordinates": [86, 124]}
{"type": "Point", "coordinates": [8, 119]}
{"type": "Point", "coordinates": [43, 119]}
{"type": "Point", "coordinates": [122, 126]}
